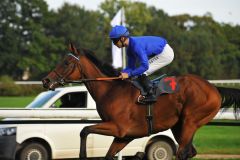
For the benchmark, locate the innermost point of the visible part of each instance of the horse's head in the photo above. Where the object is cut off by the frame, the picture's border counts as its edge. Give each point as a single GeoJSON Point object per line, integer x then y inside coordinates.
{"type": "Point", "coordinates": [68, 69]}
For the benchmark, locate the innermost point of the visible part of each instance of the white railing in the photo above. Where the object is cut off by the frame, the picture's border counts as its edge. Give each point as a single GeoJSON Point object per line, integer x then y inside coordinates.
{"type": "Point", "coordinates": [229, 81]}
{"type": "Point", "coordinates": [28, 82]}
{"type": "Point", "coordinates": [49, 113]}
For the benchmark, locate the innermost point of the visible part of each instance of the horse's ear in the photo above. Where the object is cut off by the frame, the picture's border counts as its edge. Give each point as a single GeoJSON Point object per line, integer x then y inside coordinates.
{"type": "Point", "coordinates": [72, 48]}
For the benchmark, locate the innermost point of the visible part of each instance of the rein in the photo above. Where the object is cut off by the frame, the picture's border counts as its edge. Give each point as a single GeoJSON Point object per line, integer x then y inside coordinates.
{"type": "Point", "coordinates": [94, 79]}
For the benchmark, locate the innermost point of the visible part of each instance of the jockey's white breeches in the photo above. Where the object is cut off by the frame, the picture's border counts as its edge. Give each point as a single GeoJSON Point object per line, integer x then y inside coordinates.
{"type": "Point", "coordinates": [160, 60]}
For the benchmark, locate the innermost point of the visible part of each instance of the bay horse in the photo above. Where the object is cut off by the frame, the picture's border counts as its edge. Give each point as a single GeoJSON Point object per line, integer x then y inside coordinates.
{"type": "Point", "coordinates": [194, 105]}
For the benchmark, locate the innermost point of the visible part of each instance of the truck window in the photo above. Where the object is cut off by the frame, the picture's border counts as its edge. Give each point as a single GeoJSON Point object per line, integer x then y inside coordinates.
{"type": "Point", "coordinates": [42, 99]}
{"type": "Point", "coordinates": [72, 100]}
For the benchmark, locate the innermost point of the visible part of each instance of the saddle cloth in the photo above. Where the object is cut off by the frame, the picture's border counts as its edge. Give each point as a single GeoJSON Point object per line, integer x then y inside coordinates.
{"type": "Point", "coordinates": [162, 85]}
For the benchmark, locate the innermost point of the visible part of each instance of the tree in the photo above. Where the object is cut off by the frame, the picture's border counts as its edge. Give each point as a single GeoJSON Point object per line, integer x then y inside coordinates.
{"type": "Point", "coordinates": [9, 37]}
{"type": "Point", "coordinates": [231, 54]}
{"type": "Point", "coordinates": [23, 38]}
{"type": "Point", "coordinates": [137, 14]}
{"type": "Point", "coordinates": [33, 37]}
{"type": "Point", "coordinates": [81, 27]}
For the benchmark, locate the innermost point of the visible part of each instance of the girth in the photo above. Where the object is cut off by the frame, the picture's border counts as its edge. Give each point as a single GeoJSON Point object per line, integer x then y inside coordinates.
{"type": "Point", "coordinates": [149, 118]}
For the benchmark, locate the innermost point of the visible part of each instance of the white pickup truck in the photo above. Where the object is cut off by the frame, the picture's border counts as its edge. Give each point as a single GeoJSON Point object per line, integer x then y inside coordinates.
{"type": "Point", "coordinates": [52, 132]}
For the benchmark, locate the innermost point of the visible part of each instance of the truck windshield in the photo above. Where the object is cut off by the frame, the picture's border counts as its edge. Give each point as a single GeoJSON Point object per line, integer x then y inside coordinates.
{"type": "Point", "coordinates": [41, 99]}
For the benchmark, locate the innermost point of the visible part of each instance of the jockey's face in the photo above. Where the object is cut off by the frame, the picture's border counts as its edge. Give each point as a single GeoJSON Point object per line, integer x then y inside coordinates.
{"type": "Point", "coordinates": [119, 42]}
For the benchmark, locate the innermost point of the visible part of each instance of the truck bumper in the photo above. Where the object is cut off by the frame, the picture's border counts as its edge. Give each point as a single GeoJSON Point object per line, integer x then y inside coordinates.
{"type": "Point", "coordinates": [8, 147]}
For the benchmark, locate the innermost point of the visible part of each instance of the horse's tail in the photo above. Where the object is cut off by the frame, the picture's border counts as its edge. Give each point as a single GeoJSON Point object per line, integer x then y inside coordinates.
{"type": "Point", "coordinates": [230, 99]}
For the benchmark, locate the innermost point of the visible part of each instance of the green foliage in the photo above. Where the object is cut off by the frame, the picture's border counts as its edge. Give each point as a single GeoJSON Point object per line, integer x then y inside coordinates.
{"type": "Point", "coordinates": [138, 17]}
{"type": "Point", "coordinates": [23, 38]}
{"type": "Point", "coordinates": [9, 88]}
{"type": "Point", "coordinates": [31, 36]}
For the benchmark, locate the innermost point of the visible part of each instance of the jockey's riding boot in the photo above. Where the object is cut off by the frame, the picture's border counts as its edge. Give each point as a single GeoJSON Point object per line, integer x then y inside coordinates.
{"type": "Point", "coordinates": [148, 87]}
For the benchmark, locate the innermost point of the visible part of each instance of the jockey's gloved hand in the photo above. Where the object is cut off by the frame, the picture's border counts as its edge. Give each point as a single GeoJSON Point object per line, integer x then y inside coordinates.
{"type": "Point", "coordinates": [124, 75]}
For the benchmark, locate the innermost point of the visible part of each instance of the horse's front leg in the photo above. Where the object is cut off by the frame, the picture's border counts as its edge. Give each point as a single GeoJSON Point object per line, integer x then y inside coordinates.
{"type": "Point", "coordinates": [106, 128]}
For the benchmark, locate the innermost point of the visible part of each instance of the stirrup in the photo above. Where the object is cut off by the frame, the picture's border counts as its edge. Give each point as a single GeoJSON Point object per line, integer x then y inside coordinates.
{"type": "Point", "coordinates": [140, 99]}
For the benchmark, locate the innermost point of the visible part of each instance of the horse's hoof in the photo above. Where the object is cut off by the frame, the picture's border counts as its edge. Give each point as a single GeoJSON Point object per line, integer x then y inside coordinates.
{"type": "Point", "coordinates": [192, 152]}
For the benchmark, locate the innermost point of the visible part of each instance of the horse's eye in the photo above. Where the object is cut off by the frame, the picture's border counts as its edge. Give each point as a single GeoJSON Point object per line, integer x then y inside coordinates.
{"type": "Point", "coordinates": [66, 63]}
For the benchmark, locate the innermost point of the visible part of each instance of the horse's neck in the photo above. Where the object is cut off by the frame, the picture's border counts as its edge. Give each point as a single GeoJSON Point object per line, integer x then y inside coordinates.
{"type": "Point", "coordinates": [97, 89]}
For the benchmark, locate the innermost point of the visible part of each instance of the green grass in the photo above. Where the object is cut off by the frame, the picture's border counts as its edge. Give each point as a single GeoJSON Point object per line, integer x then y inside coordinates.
{"type": "Point", "coordinates": [218, 140]}
{"type": "Point", "coordinates": [15, 102]}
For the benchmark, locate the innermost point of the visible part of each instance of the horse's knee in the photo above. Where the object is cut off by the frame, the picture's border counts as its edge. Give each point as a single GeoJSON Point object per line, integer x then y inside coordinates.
{"type": "Point", "coordinates": [84, 132]}
{"type": "Point", "coordinates": [121, 132]}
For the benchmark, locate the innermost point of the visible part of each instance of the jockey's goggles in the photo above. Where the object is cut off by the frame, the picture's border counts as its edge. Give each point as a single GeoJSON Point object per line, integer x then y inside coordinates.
{"type": "Point", "coordinates": [115, 40]}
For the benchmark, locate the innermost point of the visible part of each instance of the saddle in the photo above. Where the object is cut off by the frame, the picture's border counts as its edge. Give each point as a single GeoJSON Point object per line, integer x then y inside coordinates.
{"type": "Point", "coordinates": [162, 85]}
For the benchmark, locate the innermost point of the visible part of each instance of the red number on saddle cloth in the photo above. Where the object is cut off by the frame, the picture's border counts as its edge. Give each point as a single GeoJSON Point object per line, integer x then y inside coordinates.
{"type": "Point", "coordinates": [172, 83]}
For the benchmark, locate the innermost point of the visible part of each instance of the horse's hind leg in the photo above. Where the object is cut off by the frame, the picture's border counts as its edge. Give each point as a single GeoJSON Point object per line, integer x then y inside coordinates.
{"type": "Point", "coordinates": [189, 125]}
{"type": "Point", "coordinates": [117, 145]}
{"type": "Point", "coordinates": [176, 130]}
{"type": "Point", "coordinates": [183, 132]}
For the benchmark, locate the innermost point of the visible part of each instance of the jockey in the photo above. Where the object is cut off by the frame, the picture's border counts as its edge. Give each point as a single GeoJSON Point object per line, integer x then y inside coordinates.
{"type": "Point", "coordinates": [151, 53]}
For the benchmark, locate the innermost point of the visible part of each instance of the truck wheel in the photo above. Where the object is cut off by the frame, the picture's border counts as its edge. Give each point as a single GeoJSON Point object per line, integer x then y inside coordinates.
{"type": "Point", "coordinates": [34, 151]}
{"type": "Point", "coordinates": [160, 150]}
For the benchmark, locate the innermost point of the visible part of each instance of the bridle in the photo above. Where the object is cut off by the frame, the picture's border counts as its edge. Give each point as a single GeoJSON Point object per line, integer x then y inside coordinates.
{"type": "Point", "coordinates": [61, 79]}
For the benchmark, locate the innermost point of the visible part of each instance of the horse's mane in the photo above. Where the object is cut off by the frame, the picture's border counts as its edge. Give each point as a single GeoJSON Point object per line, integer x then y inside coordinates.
{"type": "Point", "coordinates": [104, 67]}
